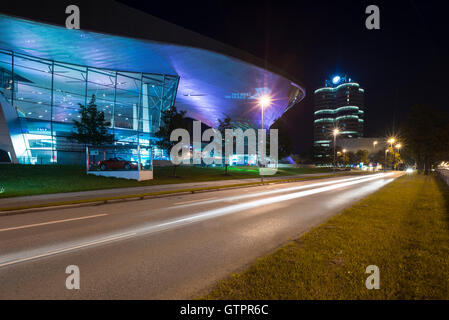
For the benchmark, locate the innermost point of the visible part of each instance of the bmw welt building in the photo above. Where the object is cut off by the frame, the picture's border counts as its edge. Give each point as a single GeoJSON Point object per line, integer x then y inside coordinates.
{"type": "Point", "coordinates": [135, 64]}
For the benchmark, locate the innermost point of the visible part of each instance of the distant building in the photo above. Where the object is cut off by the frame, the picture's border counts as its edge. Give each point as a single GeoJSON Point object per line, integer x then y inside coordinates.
{"type": "Point", "coordinates": [372, 145]}
{"type": "Point", "coordinates": [339, 104]}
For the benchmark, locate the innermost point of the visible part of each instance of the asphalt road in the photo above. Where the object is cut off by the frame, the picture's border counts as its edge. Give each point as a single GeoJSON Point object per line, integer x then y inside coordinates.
{"type": "Point", "coordinates": [84, 195]}
{"type": "Point", "coordinates": [166, 248]}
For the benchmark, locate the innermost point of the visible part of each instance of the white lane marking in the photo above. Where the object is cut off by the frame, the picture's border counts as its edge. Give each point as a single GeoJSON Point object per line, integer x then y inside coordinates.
{"type": "Point", "coordinates": [193, 201]}
{"type": "Point", "coordinates": [265, 193]}
{"type": "Point", "coordinates": [52, 222]}
{"type": "Point", "coordinates": [83, 245]}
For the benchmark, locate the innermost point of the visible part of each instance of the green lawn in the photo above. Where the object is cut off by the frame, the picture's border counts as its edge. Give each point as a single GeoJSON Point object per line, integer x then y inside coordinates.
{"type": "Point", "coordinates": [19, 180]}
{"type": "Point", "coordinates": [403, 229]}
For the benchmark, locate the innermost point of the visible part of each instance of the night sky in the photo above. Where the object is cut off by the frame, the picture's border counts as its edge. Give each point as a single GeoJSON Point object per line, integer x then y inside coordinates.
{"type": "Point", "coordinates": [402, 64]}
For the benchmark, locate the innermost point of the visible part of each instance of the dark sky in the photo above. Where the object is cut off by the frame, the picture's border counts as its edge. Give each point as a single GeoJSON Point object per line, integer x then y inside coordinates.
{"type": "Point", "coordinates": [403, 63]}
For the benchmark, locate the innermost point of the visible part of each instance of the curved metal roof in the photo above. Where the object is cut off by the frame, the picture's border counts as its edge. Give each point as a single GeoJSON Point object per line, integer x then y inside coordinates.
{"type": "Point", "coordinates": [212, 85]}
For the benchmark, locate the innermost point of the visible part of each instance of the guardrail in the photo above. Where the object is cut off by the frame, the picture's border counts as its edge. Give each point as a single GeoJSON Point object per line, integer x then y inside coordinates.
{"type": "Point", "coordinates": [444, 174]}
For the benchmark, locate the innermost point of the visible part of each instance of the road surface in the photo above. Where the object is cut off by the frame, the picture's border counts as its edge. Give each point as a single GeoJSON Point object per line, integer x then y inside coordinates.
{"type": "Point", "coordinates": [166, 248]}
{"type": "Point", "coordinates": [14, 202]}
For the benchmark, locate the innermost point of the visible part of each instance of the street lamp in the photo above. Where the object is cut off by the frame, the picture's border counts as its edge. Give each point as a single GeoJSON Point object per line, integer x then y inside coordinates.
{"type": "Point", "coordinates": [264, 102]}
{"type": "Point", "coordinates": [398, 146]}
{"type": "Point", "coordinates": [385, 162]}
{"type": "Point", "coordinates": [391, 141]}
{"type": "Point", "coordinates": [335, 133]}
{"type": "Point", "coordinates": [344, 156]}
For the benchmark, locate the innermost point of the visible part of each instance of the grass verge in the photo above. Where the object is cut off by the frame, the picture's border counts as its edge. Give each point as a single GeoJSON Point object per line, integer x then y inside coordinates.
{"type": "Point", "coordinates": [403, 229]}
{"type": "Point", "coordinates": [24, 180]}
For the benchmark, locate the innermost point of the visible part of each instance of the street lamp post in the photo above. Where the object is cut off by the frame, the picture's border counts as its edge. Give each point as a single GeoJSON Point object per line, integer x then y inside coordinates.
{"type": "Point", "coordinates": [385, 162]}
{"type": "Point", "coordinates": [335, 133]}
{"type": "Point", "coordinates": [391, 141]}
{"type": "Point", "coordinates": [374, 148]}
{"type": "Point", "coordinates": [344, 157]}
{"type": "Point", "coordinates": [264, 101]}
{"type": "Point", "coordinates": [398, 146]}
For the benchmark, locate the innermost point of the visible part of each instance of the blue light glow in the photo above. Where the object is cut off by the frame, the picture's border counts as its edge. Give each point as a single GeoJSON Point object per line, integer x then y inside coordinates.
{"type": "Point", "coordinates": [336, 79]}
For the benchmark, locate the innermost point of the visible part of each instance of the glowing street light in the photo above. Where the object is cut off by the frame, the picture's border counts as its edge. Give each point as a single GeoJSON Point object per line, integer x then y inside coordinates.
{"type": "Point", "coordinates": [391, 141]}
{"type": "Point", "coordinates": [335, 132]}
{"type": "Point", "coordinates": [264, 102]}
{"type": "Point", "coordinates": [374, 144]}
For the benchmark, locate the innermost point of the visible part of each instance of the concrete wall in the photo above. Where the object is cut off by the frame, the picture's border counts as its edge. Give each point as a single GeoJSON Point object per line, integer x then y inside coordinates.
{"type": "Point", "coordinates": [132, 175]}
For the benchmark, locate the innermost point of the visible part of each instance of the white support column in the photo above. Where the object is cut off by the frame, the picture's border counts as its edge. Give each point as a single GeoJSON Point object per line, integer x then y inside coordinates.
{"type": "Point", "coordinates": [135, 117]}
{"type": "Point", "coordinates": [145, 109]}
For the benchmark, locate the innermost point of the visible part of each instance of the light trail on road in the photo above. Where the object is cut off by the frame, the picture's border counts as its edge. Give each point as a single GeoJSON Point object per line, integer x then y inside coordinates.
{"type": "Point", "coordinates": [265, 193]}
{"type": "Point", "coordinates": [15, 258]}
{"type": "Point", "coordinates": [62, 250]}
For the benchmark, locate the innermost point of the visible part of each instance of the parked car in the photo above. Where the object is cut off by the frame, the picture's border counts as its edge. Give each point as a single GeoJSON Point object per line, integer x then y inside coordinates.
{"type": "Point", "coordinates": [117, 164]}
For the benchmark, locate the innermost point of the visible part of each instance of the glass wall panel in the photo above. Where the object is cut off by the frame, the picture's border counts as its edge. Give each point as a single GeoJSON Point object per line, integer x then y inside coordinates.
{"type": "Point", "coordinates": [47, 96]}
{"type": "Point", "coordinates": [69, 91]}
{"type": "Point", "coordinates": [32, 101]}
{"type": "Point", "coordinates": [127, 109]}
{"type": "Point", "coordinates": [32, 86]}
{"type": "Point", "coordinates": [152, 91]}
{"type": "Point", "coordinates": [6, 83]}
{"type": "Point", "coordinates": [101, 84]}
{"type": "Point", "coordinates": [126, 136]}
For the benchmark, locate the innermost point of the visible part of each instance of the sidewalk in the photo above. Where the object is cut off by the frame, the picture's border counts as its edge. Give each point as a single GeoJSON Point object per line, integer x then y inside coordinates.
{"type": "Point", "coordinates": [14, 202]}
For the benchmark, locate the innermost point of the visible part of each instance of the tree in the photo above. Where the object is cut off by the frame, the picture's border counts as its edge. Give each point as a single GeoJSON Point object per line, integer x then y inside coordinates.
{"type": "Point", "coordinates": [426, 134]}
{"type": "Point", "coordinates": [222, 126]}
{"type": "Point", "coordinates": [378, 157]}
{"type": "Point", "coordinates": [362, 156]}
{"type": "Point", "coordinates": [171, 119]}
{"type": "Point", "coordinates": [394, 157]}
{"type": "Point", "coordinates": [92, 127]}
{"type": "Point", "coordinates": [350, 157]}
{"type": "Point", "coordinates": [285, 143]}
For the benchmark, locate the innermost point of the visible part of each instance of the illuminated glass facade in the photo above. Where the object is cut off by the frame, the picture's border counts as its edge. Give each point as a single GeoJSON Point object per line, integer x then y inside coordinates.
{"type": "Point", "coordinates": [340, 104]}
{"type": "Point", "coordinates": [45, 95]}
